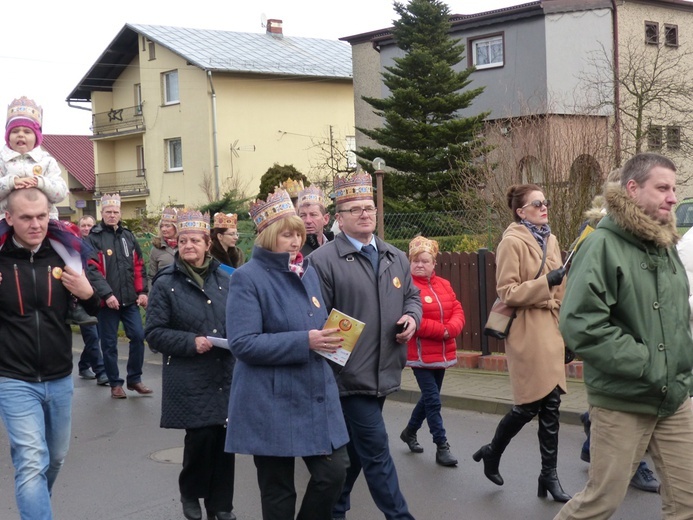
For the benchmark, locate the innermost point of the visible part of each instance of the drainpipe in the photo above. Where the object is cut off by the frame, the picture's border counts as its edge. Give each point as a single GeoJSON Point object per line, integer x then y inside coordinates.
{"type": "Point", "coordinates": [617, 88]}
{"type": "Point", "coordinates": [215, 146]}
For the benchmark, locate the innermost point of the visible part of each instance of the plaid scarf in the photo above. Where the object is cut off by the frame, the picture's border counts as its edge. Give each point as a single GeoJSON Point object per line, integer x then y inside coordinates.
{"type": "Point", "coordinates": [540, 233]}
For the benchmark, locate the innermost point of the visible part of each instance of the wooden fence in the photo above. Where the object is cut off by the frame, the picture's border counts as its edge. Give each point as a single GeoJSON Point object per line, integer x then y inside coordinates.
{"type": "Point", "coordinates": [473, 278]}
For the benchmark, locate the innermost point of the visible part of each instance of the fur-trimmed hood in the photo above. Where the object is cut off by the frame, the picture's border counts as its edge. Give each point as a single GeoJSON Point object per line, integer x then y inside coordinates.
{"type": "Point", "coordinates": [597, 211]}
{"type": "Point", "coordinates": [629, 216]}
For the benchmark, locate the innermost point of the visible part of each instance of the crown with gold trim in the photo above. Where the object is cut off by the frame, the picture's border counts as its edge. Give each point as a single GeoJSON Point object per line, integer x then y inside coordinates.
{"type": "Point", "coordinates": [422, 244]}
{"type": "Point", "coordinates": [169, 215]}
{"type": "Point", "coordinates": [192, 221]}
{"type": "Point", "coordinates": [356, 187]}
{"type": "Point", "coordinates": [225, 221]}
{"type": "Point", "coordinates": [25, 108]}
{"type": "Point", "coordinates": [313, 195]}
{"type": "Point", "coordinates": [292, 187]}
{"type": "Point", "coordinates": [110, 199]}
{"type": "Point", "coordinates": [277, 206]}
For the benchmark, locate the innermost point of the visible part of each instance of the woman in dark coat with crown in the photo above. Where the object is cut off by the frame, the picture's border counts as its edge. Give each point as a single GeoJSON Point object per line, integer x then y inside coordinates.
{"type": "Point", "coordinates": [187, 304]}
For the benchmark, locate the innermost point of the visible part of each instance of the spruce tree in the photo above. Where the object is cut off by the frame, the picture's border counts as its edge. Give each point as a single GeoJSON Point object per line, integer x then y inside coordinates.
{"type": "Point", "coordinates": [423, 137]}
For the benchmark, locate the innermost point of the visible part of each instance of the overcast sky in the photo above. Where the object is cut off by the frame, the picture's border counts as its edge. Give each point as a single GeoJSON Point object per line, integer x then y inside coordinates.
{"type": "Point", "coordinates": [47, 48]}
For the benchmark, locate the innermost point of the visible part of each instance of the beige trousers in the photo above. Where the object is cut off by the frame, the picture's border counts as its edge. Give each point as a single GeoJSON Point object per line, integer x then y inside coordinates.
{"type": "Point", "coordinates": [618, 442]}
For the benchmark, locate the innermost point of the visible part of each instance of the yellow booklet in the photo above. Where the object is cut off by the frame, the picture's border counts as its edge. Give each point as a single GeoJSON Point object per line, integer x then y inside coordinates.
{"type": "Point", "coordinates": [349, 329]}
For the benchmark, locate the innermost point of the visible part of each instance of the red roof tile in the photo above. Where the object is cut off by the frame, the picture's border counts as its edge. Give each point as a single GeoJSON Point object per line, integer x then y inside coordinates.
{"type": "Point", "coordinates": [75, 153]}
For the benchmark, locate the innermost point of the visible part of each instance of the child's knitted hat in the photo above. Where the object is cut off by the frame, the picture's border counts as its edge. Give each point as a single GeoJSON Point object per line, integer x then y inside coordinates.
{"type": "Point", "coordinates": [24, 112]}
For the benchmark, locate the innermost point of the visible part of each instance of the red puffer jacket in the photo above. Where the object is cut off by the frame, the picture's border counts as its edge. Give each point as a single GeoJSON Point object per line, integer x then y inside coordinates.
{"type": "Point", "coordinates": [441, 311]}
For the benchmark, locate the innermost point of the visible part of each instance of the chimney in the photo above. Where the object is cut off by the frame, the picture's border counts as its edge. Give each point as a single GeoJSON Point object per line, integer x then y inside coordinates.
{"type": "Point", "coordinates": [274, 27]}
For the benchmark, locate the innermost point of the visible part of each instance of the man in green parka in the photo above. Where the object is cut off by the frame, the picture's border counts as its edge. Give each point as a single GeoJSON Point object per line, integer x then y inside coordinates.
{"type": "Point", "coordinates": [626, 314]}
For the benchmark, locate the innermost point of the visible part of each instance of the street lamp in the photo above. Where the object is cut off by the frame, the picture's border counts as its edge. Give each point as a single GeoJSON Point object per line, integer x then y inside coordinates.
{"type": "Point", "coordinates": [378, 165]}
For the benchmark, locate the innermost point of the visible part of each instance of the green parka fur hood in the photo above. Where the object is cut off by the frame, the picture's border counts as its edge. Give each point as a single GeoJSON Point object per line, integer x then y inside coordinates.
{"type": "Point", "coordinates": [626, 312]}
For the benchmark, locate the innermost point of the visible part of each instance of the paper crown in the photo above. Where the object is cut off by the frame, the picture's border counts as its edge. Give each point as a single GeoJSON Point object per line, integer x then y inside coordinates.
{"type": "Point", "coordinates": [225, 221]}
{"type": "Point", "coordinates": [192, 221]}
{"type": "Point", "coordinates": [169, 216]}
{"type": "Point", "coordinates": [292, 187]}
{"type": "Point", "coordinates": [313, 195]}
{"type": "Point", "coordinates": [25, 108]}
{"type": "Point", "coordinates": [110, 199]}
{"type": "Point", "coordinates": [423, 245]}
{"type": "Point", "coordinates": [356, 187]}
{"type": "Point", "coordinates": [277, 206]}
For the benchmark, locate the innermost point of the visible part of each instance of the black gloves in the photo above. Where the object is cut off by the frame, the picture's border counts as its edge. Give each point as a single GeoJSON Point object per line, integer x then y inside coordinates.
{"type": "Point", "coordinates": [555, 277]}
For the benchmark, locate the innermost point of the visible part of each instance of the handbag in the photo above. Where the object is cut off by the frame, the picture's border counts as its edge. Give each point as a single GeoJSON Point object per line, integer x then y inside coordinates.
{"type": "Point", "coordinates": [501, 316]}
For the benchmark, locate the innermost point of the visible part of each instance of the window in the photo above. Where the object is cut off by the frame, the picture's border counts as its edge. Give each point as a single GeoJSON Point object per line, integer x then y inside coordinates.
{"type": "Point", "coordinates": [673, 137]}
{"type": "Point", "coordinates": [138, 99]}
{"type": "Point", "coordinates": [171, 87]}
{"type": "Point", "coordinates": [152, 50]}
{"type": "Point", "coordinates": [140, 160]}
{"type": "Point", "coordinates": [671, 35]}
{"type": "Point", "coordinates": [174, 155]}
{"type": "Point", "coordinates": [652, 33]}
{"type": "Point", "coordinates": [654, 137]}
{"type": "Point", "coordinates": [486, 52]}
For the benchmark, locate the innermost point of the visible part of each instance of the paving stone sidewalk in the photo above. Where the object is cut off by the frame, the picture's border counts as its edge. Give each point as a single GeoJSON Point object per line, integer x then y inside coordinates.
{"type": "Point", "coordinates": [488, 392]}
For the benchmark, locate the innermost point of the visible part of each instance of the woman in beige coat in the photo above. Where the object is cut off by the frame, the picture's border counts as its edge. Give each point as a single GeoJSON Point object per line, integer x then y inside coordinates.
{"type": "Point", "coordinates": [534, 346]}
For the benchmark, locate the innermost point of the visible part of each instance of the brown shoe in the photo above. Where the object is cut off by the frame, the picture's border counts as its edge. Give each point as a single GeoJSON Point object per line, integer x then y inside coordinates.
{"type": "Point", "coordinates": [140, 388]}
{"type": "Point", "coordinates": [117, 392]}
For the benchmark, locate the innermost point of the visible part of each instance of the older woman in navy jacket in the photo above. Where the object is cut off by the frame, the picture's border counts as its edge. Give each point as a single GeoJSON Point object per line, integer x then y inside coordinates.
{"type": "Point", "coordinates": [284, 398]}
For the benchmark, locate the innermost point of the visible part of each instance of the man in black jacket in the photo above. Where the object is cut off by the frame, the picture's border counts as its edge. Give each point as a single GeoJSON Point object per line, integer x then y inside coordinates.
{"type": "Point", "coordinates": [36, 349]}
{"type": "Point", "coordinates": [120, 280]}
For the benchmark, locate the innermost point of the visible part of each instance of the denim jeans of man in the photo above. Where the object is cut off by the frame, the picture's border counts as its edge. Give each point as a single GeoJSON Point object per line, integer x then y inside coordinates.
{"type": "Point", "coordinates": [109, 319]}
{"type": "Point", "coordinates": [369, 450]}
{"type": "Point", "coordinates": [430, 382]}
{"type": "Point", "coordinates": [37, 417]}
{"type": "Point", "coordinates": [91, 354]}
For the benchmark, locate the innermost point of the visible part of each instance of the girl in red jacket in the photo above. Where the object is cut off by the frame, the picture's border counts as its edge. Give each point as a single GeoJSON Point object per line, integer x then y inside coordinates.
{"type": "Point", "coordinates": [433, 348]}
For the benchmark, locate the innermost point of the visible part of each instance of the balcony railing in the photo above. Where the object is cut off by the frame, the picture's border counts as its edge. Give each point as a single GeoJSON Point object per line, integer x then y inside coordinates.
{"type": "Point", "coordinates": [118, 120]}
{"type": "Point", "coordinates": [125, 182]}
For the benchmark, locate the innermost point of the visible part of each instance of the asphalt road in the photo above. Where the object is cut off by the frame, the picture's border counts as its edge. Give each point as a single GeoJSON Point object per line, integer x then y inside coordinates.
{"type": "Point", "coordinates": [122, 466]}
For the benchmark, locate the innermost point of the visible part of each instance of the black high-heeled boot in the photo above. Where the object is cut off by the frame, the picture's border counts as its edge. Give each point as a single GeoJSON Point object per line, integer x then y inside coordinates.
{"type": "Point", "coordinates": [191, 508]}
{"type": "Point", "coordinates": [548, 446]}
{"type": "Point", "coordinates": [508, 427]}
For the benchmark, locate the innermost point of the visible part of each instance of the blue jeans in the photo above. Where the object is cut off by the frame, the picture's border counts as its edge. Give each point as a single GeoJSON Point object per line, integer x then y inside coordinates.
{"type": "Point", "coordinates": [430, 382]}
{"type": "Point", "coordinates": [91, 354]}
{"type": "Point", "coordinates": [37, 418]}
{"type": "Point", "coordinates": [109, 319]}
{"type": "Point", "coordinates": [368, 448]}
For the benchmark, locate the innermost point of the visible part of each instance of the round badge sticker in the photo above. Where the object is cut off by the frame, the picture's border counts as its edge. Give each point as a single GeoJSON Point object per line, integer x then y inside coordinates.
{"type": "Point", "coordinates": [57, 273]}
{"type": "Point", "coordinates": [428, 299]}
{"type": "Point", "coordinates": [316, 302]}
{"type": "Point", "coordinates": [109, 252]}
{"type": "Point", "coordinates": [344, 324]}
{"type": "Point", "coordinates": [37, 170]}
{"type": "Point", "coordinates": [396, 282]}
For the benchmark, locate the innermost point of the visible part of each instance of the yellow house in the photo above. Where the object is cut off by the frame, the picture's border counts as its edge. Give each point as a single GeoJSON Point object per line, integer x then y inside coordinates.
{"type": "Point", "coordinates": [180, 116]}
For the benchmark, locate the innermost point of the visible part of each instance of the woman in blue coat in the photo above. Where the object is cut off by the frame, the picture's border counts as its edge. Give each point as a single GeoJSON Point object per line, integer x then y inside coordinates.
{"type": "Point", "coordinates": [188, 304]}
{"type": "Point", "coordinates": [284, 399]}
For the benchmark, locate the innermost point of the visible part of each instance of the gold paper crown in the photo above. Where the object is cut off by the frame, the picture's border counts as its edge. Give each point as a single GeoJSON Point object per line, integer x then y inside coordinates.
{"type": "Point", "coordinates": [313, 195]}
{"type": "Point", "coordinates": [292, 187]}
{"type": "Point", "coordinates": [225, 221]}
{"type": "Point", "coordinates": [277, 206]}
{"type": "Point", "coordinates": [190, 220]}
{"type": "Point", "coordinates": [25, 108]}
{"type": "Point", "coordinates": [356, 187]}
{"type": "Point", "coordinates": [110, 199]}
{"type": "Point", "coordinates": [422, 244]}
{"type": "Point", "coordinates": [169, 215]}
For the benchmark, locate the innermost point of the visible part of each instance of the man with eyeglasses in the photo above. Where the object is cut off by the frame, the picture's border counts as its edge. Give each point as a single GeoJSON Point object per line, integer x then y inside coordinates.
{"type": "Point", "coordinates": [369, 280]}
{"type": "Point", "coordinates": [626, 314]}
{"type": "Point", "coordinates": [311, 207]}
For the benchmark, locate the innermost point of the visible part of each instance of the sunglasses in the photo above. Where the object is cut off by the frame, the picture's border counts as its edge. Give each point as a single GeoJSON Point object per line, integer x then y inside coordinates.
{"type": "Point", "coordinates": [538, 204]}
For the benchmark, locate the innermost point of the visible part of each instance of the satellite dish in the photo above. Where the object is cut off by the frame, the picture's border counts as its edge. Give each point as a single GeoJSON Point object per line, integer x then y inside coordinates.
{"type": "Point", "coordinates": [263, 20]}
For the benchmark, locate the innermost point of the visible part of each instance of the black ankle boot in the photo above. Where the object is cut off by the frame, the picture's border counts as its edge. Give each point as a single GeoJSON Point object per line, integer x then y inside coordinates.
{"type": "Point", "coordinates": [191, 508]}
{"type": "Point", "coordinates": [491, 462]}
{"type": "Point", "coordinates": [409, 437]}
{"type": "Point", "coordinates": [443, 455]}
{"type": "Point", "coordinates": [549, 482]}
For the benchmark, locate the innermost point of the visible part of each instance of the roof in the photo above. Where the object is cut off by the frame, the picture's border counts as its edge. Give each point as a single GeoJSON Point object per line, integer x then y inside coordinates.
{"type": "Point", "coordinates": [75, 153]}
{"type": "Point", "coordinates": [221, 51]}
